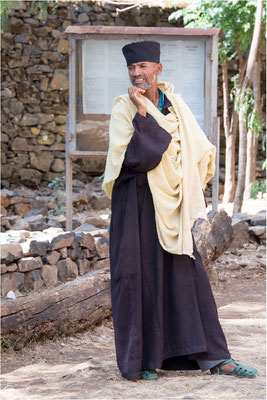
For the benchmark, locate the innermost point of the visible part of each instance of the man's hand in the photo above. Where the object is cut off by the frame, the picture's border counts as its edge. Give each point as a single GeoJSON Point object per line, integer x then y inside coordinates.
{"type": "Point", "coordinates": [134, 94]}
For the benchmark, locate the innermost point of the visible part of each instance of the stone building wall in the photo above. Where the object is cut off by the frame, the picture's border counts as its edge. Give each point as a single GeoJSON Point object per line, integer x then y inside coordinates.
{"type": "Point", "coordinates": [35, 88]}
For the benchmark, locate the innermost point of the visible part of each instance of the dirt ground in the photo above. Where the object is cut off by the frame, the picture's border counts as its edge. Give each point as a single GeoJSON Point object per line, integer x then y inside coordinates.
{"type": "Point", "coordinates": [84, 367]}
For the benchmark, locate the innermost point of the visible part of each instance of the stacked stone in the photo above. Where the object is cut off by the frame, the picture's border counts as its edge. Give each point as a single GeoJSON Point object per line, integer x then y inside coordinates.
{"type": "Point", "coordinates": [32, 261]}
{"type": "Point", "coordinates": [35, 86]}
{"type": "Point", "coordinates": [24, 208]}
{"type": "Point", "coordinates": [249, 227]}
{"type": "Point", "coordinates": [35, 89]}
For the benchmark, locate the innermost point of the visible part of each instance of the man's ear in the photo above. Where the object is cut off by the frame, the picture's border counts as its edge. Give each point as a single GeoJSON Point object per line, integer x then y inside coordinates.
{"type": "Point", "coordinates": [159, 69]}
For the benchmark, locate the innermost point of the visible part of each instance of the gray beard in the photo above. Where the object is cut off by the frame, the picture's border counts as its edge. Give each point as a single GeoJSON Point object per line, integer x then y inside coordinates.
{"type": "Point", "coordinates": [147, 84]}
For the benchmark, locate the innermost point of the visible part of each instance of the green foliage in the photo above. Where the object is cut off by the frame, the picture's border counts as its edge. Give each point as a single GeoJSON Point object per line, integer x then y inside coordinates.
{"type": "Point", "coordinates": [263, 142]}
{"type": "Point", "coordinates": [6, 344]}
{"type": "Point", "coordinates": [5, 9]}
{"type": "Point", "coordinates": [42, 7]}
{"type": "Point", "coordinates": [235, 17]}
{"type": "Point", "coordinates": [245, 103]}
{"type": "Point", "coordinates": [58, 197]}
{"type": "Point", "coordinates": [258, 187]}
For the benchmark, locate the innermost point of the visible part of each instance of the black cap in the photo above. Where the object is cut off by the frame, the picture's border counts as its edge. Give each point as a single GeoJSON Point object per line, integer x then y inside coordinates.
{"type": "Point", "coordinates": [146, 50]}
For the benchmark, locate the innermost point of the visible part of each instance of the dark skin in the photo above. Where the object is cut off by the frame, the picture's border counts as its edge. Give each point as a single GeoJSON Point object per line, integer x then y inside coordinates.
{"type": "Point", "coordinates": [144, 77]}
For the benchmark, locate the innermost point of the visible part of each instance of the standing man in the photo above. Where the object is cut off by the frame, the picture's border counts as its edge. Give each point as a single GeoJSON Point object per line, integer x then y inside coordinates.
{"type": "Point", "coordinates": [159, 162]}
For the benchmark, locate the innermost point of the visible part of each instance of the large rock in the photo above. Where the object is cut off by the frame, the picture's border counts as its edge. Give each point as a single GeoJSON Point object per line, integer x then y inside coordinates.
{"type": "Point", "coordinates": [21, 144]}
{"type": "Point", "coordinates": [6, 284]}
{"type": "Point", "coordinates": [241, 234]}
{"type": "Point", "coordinates": [29, 264]}
{"type": "Point", "coordinates": [257, 230]}
{"type": "Point", "coordinates": [102, 247]}
{"type": "Point", "coordinates": [24, 192]}
{"type": "Point", "coordinates": [85, 239]}
{"type": "Point", "coordinates": [30, 177]}
{"type": "Point", "coordinates": [6, 171]}
{"type": "Point", "coordinates": [46, 138]}
{"type": "Point", "coordinates": [60, 80]}
{"type": "Point", "coordinates": [42, 31]}
{"type": "Point", "coordinates": [11, 251]}
{"type": "Point", "coordinates": [41, 161]}
{"type": "Point", "coordinates": [12, 267]}
{"type": "Point", "coordinates": [214, 236]}
{"type": "Point", "coordinates": [52, 257]}
{"type": "Point", "coordinates": [99, 201]}
{"type": "Point", "coordinates": [33, 280]}
{"type": "Point", "coordinates": [17, 279]}
{"type": "Point", "coordinates": [22, 209]}
{"type": "Point", "coordinates": [63, 46]}
{"type": "Point", "coordinates": [64, 240]}
{"type": "Point", "coordinates": [28, 93]}
{"type": "Point", "coordinates": [4, 199]}
{"type": "Point", "coordinates": [259, 219]}
{"type": "Point", "coordinates": [7, 41]}
{"type": "Point", "coordinates": [45, 118]}
{"type": "Point", "coordinates": [67, 269]}
{"type": "Point", "coordinates": [49, 275]}
{"type": "Point", "coordinates": [98, 222]}
{"type": "Point", "coordinates": [83, 18]}
{"type": "Point", "coordinates": [3, 268]}
{"type": "Point", "coordinates": [38, 247]}
{"type": "Point", "coordinates": [79, 198]}
{"type": "Point", "coordinates": [16, 107]}
{"type": "Point", "coordinates": [17, 199]}
{"type": "Point", "coordinates": [18, 62]}
{"type": "Point", "coordinates": [58, 165]}
{"type": "Point", "coordinates": [75, 251]}
{"type": "Point", "coordinates": [29, 120]}
{"type": "Point", "coordinates": [83, 266]}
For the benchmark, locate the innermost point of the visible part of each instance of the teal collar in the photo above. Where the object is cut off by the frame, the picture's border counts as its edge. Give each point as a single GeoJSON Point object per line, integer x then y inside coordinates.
{"type": "Point", "coordinates": [161, 100]}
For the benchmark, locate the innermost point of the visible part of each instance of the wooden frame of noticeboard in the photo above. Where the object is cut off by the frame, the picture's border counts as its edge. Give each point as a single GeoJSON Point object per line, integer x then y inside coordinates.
{"type": "Point", "coordinates": [89, 66]}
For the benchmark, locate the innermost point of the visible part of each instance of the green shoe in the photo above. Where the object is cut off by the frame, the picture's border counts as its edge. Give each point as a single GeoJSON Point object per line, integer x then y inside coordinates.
{"type": "Point", "coordinates": [240, 371]}
{"type": "Point", "coordinates": [149, 374]}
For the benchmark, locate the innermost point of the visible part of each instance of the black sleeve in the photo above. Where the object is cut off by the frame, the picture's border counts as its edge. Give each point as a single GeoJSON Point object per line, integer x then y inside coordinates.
{"type": "Point", "coordinates": [148, 143]}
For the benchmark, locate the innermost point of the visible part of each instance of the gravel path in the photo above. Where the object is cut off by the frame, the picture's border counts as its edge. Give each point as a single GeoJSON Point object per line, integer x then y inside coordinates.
{"type": "Point", "coordinates": [84, 367]}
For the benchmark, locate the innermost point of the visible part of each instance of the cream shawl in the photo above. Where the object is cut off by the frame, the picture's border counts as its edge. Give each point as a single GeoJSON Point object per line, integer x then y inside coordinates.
{"type": "Point", "coordinates": [176, 183]}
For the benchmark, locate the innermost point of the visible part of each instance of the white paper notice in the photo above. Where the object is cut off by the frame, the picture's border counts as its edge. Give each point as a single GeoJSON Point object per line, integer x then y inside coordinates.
{"type": "Point", "coordinates": [105, 76]}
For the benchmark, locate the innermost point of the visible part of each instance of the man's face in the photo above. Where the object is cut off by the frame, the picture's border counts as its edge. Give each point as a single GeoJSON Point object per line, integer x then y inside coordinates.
{"type": "Point", "coordinates": [143, 74]}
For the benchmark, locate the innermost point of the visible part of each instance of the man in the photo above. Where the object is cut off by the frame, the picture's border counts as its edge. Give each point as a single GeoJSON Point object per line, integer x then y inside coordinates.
{"type": "Point", "coordinates": [159, 161]}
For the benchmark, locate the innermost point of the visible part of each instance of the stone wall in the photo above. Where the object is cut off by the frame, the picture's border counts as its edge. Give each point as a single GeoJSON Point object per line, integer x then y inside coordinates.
{"type": "Point", "coordinates": [38, 260]}
{"type": "Point", "coordinates": [35, 89]}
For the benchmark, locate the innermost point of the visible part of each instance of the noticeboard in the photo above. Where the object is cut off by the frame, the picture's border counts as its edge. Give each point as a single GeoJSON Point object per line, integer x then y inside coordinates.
{"type": "Point", "coordinates": [98, 74]}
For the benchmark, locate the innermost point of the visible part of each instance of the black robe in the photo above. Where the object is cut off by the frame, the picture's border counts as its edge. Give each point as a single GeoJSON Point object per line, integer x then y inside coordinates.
{"type": "Point", "coordinates": [164, 311]}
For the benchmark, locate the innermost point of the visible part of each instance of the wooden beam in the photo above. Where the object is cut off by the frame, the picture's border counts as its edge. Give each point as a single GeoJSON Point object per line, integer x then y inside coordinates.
{"type": "Point", "coordinates": [89, 154]}
{"type": "Point", "coordinates": [140, 30]}
{"type": "Point", "coordinates": [68, 308]}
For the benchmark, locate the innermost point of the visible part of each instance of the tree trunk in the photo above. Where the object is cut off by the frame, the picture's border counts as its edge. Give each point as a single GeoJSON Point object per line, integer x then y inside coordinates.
{"type": "Point", "coordinates": [65, 309]}
{"type": "Point", "coordinates": [230, 136]}
{"type": "Point", "coordinates": [252, 144]}
{"type": "Point", "coordinates": [242, 122]}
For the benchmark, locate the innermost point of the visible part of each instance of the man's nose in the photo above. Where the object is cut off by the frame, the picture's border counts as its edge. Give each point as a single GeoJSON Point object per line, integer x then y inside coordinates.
{"type": "Point", "coordinates": [136, 71]}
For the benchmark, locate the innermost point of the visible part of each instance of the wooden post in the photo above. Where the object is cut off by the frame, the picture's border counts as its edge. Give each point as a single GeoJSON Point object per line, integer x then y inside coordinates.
{"type": "Point", "coordinates": [215, 179]}
{"type": "Point", "coordinates": [213, 106]}
{"type": "Point", "coordinates": [70, 130]}
{"type": "Point", "coordinates": [68, 177]}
